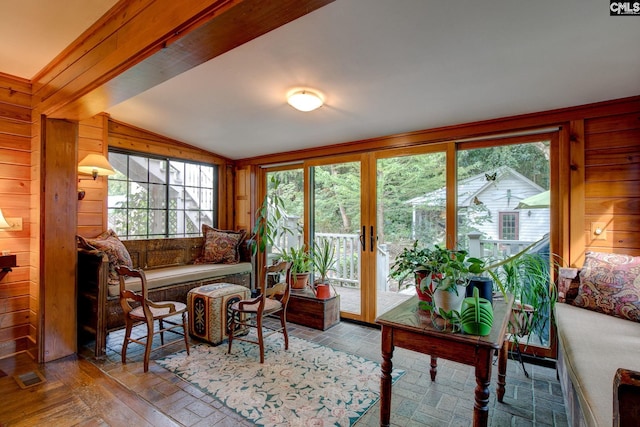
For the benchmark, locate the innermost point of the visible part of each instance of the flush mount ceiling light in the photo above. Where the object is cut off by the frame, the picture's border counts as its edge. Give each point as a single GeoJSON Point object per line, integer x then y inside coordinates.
{"type": "Point", "coordinates": [305, 99]}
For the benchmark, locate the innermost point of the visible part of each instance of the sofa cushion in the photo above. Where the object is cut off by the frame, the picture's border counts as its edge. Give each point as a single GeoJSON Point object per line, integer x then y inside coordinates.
{"type": "Point", "coordinates": [168, 276]}
{"type": "Point", "coordinates": [109, 243]}
{"type": "Point", "coordinates": [610, 284]}
{"type": "Point", "coordinates": [220, 246]}
{"type": "Point", "coordinates": [594, 346]}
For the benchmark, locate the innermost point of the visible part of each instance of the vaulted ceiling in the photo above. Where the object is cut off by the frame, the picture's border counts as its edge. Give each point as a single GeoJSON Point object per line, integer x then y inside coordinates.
{"type": "Point", "coordinates": [384, 67]}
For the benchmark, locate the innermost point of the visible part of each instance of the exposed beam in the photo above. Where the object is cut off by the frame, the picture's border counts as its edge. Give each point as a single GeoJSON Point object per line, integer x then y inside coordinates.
{"type": "Point", "coordinates": [141, 43]}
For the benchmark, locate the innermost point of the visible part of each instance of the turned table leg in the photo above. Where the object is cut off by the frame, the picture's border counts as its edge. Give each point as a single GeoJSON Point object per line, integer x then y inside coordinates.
{"type": "Point", "coordinates": [483, 379]}
{"type": "Point", "coordinates": [385, 377]}
{"type": "Point", "coordinates": [434, 368]}
{"type": "Point", "coordinates": [502, 369]}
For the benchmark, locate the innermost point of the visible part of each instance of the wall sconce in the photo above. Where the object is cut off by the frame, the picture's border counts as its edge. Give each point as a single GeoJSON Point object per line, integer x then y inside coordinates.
{"type": "Point", "coordinates": [95, 165]}
{"type": "Point", "coordinates": [10, 224]}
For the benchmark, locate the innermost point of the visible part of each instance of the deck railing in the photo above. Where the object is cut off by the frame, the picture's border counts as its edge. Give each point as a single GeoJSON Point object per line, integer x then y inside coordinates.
{"type": "Point", "coordinates": [347, 253]}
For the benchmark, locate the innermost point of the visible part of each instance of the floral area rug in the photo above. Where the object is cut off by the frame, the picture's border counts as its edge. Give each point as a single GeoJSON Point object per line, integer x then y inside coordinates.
{"type": "Point", "coordinates": [306, 385]}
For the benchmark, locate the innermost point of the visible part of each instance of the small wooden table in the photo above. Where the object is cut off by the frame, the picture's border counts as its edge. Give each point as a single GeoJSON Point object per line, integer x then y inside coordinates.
{"type": "Point", "coordinates": [409, 327]}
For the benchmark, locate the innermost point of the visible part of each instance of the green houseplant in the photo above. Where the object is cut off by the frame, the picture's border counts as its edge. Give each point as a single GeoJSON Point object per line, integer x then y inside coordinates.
{"type": "Point", "coordinates": [414, 262]}
{"type": "Point", "coordinates": [323, 257]}
{"type": "Point", "coordinates": [301, 264]}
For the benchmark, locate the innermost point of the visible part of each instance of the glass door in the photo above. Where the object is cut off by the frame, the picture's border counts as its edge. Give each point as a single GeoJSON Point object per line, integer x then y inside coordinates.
{"type": "Point", "coordinates": [336, 220]}
{"type": "Point", "coordinates": [410, 206]}
{"type": "Point", "coordinates": [503, 209]}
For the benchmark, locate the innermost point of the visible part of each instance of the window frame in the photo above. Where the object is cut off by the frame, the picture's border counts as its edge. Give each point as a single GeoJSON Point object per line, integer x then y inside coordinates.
{"type": "Point", "coordinates": [166, 205]}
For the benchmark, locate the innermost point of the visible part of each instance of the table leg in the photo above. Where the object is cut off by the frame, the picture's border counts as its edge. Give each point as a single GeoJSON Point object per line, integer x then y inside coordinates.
{"type": "Point", "coordinates": [502, 369]}
{"type": "Point", "coordinates": [483, 379]}
{"type": "Point", "coordinates": [385, 377]}
{"type": "Point", "coordinates": [434, 368]}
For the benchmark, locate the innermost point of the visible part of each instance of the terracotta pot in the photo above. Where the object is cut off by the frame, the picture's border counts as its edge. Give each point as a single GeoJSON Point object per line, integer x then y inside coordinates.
{"type": "Point", "coordinates": [323, 291]}
{"type": "Point", "coordinates": [299, 280]}
{"type": "Point", "coordinates": [420, 275]}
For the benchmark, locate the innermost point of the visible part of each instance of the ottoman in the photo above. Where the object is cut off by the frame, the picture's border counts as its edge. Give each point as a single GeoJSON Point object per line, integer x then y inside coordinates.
{"type": "Point", "coordinates": [209, 312]}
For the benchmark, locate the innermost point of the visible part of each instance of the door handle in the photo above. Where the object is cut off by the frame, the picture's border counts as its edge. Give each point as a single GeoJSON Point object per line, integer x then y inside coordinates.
{"type": "Point", "coordinates": [362, 243]}
{"type": "Point", "coordinates": [372, 239]}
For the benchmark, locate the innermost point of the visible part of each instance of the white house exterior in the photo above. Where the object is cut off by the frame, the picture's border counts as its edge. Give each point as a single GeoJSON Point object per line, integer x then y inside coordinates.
{"type": "Point", "coordinates": [490, 203]}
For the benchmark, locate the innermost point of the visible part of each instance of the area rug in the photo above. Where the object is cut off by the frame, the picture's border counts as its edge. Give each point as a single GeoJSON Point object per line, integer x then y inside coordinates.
{"type": "Point", "coordinates": [307, 385]}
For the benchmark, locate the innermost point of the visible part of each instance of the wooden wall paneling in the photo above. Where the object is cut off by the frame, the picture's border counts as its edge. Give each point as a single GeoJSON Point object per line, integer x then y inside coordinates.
{"type": "Point", "coordinates": [92, 138]}
{"type": "Point", "coordinates": [58, 336]}
{"type": "Point", "coordinates": [611, 194]}
{"type": "Point", "coordinates": [576, 193]}
{"type": "Point", "coordinates": [127, 137]}
{"type": "Point", "coordinates": [34, 242]}
{"type": "Point", "coordinates": [15, 189]}
{"type": "Point", "coordinates": [242, 203]}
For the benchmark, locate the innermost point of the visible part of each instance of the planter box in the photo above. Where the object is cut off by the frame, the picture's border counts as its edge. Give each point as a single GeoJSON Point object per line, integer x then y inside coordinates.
{"type": "Point", "coordinates": [305, 309]}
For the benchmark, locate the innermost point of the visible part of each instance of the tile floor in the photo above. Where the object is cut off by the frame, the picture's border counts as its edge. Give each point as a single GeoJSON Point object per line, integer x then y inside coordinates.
{"type": "Point", "coordinates": [416, 401]}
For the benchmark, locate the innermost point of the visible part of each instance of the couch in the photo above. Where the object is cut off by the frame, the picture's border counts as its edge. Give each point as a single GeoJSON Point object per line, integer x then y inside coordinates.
{"type": "Point", "coordinates": [598, 333]}
{"type": "Point", "coordinates": [172, 268]}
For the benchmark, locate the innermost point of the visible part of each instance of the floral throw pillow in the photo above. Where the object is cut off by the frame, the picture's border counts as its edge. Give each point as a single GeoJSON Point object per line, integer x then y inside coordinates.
{"type": "Point", "coordinates": [610, 284]}
{"type": "Point", "coordinates": [109, 243]}
{"type": "Point", "coordinates": [220, 246]}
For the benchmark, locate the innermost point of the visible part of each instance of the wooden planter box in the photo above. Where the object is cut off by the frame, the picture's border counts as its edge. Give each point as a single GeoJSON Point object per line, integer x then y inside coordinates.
{"type": "Point", "coordinates": [305, 309]}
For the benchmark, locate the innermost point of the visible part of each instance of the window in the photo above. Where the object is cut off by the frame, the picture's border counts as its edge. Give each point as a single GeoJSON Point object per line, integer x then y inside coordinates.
{"type": "Point", "coordinates": [152, 197]}
{"type": "Point", "coordinates": [509, 225]}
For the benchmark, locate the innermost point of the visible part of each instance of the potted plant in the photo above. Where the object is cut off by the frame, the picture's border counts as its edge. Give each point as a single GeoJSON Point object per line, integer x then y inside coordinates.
{"type": "Point", "coordinates": [527, 277]}
{"type": "Point", "coordinates": [414, 262]}
{"type": "Point", "coordinates": [300, 266]}
{"type": "Point", "coordinates": [450, 271]}
{"type": "Point", "coordinates": [324, 260]}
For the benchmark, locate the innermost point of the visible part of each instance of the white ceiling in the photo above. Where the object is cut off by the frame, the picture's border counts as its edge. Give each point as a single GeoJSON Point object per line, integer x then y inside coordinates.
{"type": "Point", "coordinates": [383, 66]}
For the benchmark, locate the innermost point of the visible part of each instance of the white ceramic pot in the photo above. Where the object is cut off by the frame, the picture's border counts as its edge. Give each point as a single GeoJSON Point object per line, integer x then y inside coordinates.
{"type": "Point", "coordinates": [447, 300]}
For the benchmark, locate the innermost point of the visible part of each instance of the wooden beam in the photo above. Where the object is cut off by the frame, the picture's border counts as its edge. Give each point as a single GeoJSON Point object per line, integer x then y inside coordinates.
{"type": "Point", "coordinates": [139, 44]}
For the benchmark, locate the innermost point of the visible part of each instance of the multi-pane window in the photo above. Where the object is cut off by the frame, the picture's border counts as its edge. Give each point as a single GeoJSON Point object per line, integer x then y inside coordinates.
{"type": "Point", "coordinates": [152, 197]}
{"type": "Point", "coordinates": [509, 225]}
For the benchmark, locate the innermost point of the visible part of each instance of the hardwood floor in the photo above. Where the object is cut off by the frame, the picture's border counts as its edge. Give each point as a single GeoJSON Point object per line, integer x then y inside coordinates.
{"type": "Point", "coordinates": [75, 392]}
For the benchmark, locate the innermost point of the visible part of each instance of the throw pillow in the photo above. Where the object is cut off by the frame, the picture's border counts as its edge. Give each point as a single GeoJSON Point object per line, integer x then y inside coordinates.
{"type": "Point", "coordinates": [220, 246]}
{"type": "Point", "coordinates": [109, 243]}
{"type": "Point", "coordinates": [610, 284]}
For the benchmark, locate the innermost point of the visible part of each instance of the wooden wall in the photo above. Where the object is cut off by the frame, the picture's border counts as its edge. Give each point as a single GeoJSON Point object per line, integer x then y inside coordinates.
{"type": "Point", "coordinates": [16, 305]}
{"type": "Point", "coordinates": [612, 183]}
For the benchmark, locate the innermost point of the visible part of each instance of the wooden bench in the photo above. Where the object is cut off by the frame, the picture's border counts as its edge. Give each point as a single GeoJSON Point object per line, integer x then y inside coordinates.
{"type": "Point", "coordinates": [171, 273]}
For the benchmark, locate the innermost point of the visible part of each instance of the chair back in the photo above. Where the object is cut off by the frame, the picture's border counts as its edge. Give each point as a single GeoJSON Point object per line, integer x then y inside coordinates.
{"type": "Point", "coordinates": [281, 289]}
{"type": "Point", "coordinates": [127, 294]}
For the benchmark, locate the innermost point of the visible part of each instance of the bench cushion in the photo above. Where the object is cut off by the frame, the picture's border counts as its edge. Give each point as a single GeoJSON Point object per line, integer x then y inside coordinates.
{"type": "Point", "coordinates": [168, 276]}
{"type": "Point", "coordinates": [594, 346]}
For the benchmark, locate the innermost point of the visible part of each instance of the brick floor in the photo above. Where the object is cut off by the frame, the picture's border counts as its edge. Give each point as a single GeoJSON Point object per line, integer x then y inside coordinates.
{"type": "Point", "coordinates": [416, 400]}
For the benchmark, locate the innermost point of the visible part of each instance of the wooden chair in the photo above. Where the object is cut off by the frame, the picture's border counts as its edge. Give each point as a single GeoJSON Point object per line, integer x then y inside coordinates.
{"type": "Point", "coordinates": [272, 302]}
{"type": "Point", "coordinates": [148, 312]}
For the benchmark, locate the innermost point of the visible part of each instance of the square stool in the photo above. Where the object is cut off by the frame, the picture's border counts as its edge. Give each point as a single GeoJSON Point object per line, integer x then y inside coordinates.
{"type": "Point", "coordinates": [209, 312]}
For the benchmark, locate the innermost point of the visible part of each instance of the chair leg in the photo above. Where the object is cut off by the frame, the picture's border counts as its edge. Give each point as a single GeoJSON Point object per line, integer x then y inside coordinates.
{"type": "Point", "coordinates": [184, 330]}
{"type": "Point", "coordinates": [148, 344]}
{"type": "Point", "coordinates": [232, 327]}
{"type": "Point", "coordinates": [161, 326]}
{"type": "Point", "coordinates": [127, 337]}
{"type": "Point", "coordinates": [260, 338]}
{"type": "Point", "coordinates": [283, 324]}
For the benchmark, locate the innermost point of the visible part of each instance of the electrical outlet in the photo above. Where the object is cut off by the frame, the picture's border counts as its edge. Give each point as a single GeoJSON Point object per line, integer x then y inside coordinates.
{"type": "Point", "coordinates": [598, 232]}
{"type": "Point", "coordinates": [15, 223]}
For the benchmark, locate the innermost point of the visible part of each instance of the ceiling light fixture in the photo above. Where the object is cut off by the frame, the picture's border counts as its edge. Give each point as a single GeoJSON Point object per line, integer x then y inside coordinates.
{"type": "Point", "coordinates": [305, 99]}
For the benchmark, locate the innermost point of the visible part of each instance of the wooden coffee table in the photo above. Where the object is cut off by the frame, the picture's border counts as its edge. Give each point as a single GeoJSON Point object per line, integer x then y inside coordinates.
{"type": "Point", "coordinates": [409, 327]}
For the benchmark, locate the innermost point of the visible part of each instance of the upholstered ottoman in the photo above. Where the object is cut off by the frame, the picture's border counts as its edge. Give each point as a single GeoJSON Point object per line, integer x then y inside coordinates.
{"type": "Point", "coordinates": [209, 312]}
